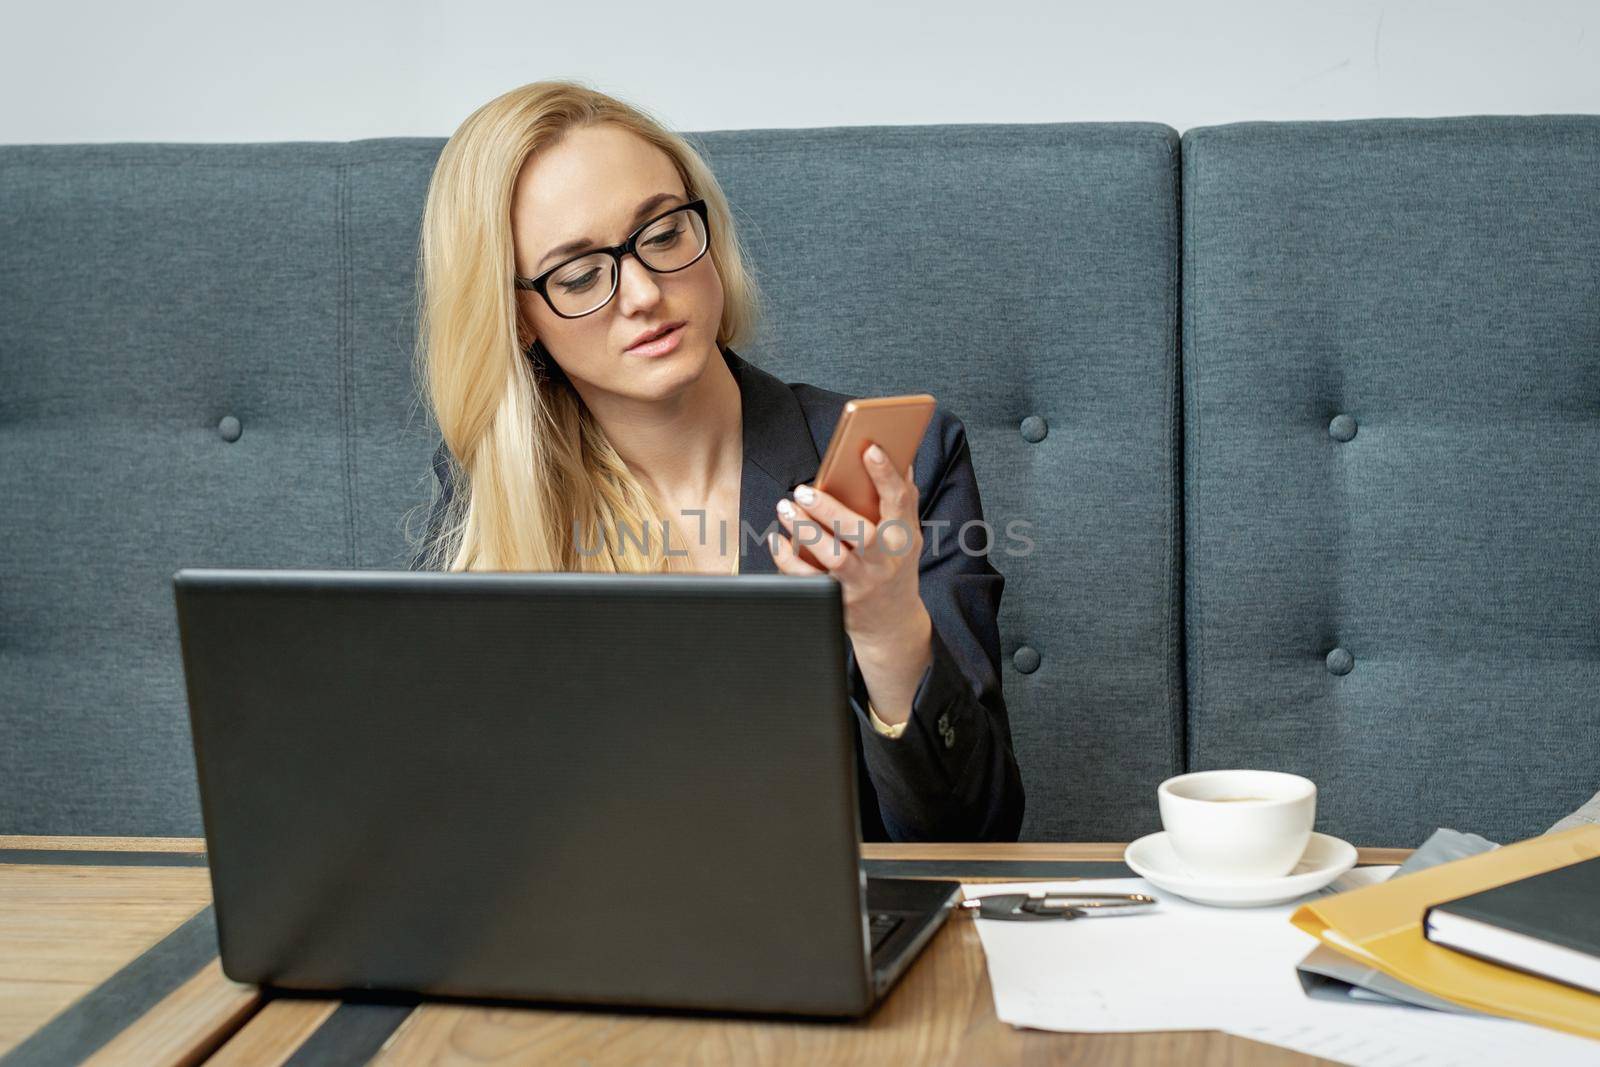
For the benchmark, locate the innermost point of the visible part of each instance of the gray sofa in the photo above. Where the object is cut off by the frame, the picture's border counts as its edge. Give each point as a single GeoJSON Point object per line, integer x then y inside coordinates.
{"type": "Point", "coordinates": [1306, 417]}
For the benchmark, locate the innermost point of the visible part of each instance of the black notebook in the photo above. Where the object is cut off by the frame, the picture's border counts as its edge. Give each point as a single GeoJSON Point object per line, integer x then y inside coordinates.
{"type": "Point", "coordinates": [1547, 924]}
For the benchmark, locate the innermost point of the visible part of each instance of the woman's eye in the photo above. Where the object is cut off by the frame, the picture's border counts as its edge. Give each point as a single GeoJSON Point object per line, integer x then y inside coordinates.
{"type": "Point", "coordinates": [579, 283]}
{"type": "Point", "coordinates": [665, 238]}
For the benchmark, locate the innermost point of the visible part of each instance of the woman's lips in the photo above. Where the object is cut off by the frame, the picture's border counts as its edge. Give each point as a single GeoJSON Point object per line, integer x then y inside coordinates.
{"type": "Point", "coordinates": [661, 345]}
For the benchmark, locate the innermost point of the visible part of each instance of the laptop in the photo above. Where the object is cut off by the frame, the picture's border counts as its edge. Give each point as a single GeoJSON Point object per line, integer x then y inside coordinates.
{"type": "Point", "coordinates": [584, 789]}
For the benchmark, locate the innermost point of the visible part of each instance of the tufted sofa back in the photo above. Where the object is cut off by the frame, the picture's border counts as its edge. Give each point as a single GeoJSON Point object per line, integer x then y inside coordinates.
{"type": "Point", "coordinates": [1351, 523]}
{"type": "Point", "coordinates": [1392, 448]}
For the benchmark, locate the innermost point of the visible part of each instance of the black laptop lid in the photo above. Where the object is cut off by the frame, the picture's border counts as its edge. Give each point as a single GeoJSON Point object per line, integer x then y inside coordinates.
{"type": "Point", "coordinates": [603, 788]}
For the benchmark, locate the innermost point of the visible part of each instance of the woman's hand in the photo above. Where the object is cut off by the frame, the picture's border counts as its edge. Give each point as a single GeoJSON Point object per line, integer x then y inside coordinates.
{"type": "Point", "coordinates": [877, 566]}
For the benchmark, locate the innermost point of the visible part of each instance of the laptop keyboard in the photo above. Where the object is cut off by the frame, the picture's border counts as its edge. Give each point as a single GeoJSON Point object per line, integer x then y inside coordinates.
{"type": "Point", "coordinates": [881, 926]}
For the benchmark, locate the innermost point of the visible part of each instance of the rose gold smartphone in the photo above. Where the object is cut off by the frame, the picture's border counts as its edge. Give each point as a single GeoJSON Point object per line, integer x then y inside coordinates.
{"type": "Point", "coordinates": [896, 424]}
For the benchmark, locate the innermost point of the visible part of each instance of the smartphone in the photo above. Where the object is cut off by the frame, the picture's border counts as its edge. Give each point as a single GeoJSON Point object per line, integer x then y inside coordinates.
{"type": "Point", "coordinates": [895, 424]}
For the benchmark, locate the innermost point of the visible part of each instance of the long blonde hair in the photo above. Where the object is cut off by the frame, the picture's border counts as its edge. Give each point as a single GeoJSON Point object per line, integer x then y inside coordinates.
{"type": "Point", "coordinates": [536, 484]}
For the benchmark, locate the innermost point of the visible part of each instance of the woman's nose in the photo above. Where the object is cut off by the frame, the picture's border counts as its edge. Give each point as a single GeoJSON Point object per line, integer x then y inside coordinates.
{"type": "Point", "coordinates": [637, 288]}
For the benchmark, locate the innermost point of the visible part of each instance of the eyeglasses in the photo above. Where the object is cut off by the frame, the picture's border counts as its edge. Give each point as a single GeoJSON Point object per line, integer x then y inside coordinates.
{"type": "Point", "coordinates": [586, 283]}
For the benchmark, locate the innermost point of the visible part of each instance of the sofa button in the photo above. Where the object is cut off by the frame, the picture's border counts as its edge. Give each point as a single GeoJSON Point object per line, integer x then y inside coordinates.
{"type": "Point", "coordinates": [1025, 659]}
{"type": "Point", "coordinates": [1340, 661]}
{"type": "Point", "coordinates": [229, 429]}
{"type": "Point", "coordinates": [1034, 429]}
{"type": "Point", "coordinates": [1342, 428]}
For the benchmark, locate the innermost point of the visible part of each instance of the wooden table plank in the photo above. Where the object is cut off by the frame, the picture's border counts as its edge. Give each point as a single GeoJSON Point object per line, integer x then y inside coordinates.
{"type": "Point", "coordinates": [1046, 851]}
{"type": "Point", "coordinates": [274, 1033]}
{"type": "Point", "coordinates": [27, 1005]}
{"type": "Point", "coordinates": [940, 850]}
{"type": "Point", "coordinates": [64, 930]}
{"type": "Point", "coordinates": [188, 1023]}
{"type": "Point", "coordinates": [107, 844]}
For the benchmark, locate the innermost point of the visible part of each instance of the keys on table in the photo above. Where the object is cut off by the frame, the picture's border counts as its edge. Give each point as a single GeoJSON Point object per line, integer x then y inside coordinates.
{"type": "Point", "coordinates": [1027, 907]}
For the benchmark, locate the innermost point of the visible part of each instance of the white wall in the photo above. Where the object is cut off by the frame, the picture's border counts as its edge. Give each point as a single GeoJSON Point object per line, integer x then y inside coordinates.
{"type": "Point", "coordinates": [298, 70]}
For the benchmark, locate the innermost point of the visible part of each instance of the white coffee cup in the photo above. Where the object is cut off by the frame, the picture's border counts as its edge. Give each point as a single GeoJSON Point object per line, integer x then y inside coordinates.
{"type": "Point", "coordinates": [1238, 824]}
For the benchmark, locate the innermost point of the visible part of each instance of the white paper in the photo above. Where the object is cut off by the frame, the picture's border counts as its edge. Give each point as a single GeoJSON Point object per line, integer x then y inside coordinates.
{"type": "Point", "coordinates": [1185, 966]}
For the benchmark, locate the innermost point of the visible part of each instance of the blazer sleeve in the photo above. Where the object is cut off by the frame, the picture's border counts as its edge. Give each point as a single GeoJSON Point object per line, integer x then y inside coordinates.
{"type": "Point", "coordinates": [952, 775]}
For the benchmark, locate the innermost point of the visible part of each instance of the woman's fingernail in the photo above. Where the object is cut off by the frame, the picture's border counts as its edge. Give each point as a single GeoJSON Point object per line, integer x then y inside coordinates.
{"type": "Point", "coordinates": [876, 454]}
{"type": "Point", "coordinates": [805, 494]}
{"type": "Point", "coordinates": [786, 509]}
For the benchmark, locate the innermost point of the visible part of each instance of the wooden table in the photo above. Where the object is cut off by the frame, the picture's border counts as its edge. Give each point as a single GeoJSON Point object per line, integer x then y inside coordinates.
{"type": "Point", "coordinates": [108, 950]}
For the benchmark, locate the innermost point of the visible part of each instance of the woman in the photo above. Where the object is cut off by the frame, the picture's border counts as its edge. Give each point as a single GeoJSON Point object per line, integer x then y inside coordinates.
{"type": "Point", "coordinates": [581, 291]}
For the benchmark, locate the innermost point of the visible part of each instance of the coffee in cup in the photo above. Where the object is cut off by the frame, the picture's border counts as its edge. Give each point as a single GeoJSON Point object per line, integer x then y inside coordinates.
{"type": "Point", "coordinates": [1238, 824]}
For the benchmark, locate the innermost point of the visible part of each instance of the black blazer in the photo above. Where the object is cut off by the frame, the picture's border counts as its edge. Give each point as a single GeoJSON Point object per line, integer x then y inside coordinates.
{"type": "Point", "coordinates": [952, 775]}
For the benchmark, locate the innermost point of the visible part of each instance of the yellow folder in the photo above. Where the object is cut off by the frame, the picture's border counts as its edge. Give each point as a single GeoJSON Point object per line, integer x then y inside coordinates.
{"type": "Point", "coordinates": [1381, 926]}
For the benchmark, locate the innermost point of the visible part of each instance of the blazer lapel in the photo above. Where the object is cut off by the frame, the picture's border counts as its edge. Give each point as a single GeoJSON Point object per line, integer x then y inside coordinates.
{"type": "Point", "coordinates": [779, 454]}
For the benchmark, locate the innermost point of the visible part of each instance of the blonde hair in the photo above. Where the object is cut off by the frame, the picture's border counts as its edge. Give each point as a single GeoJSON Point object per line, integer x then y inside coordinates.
{"type": "Point", "coordinates": [534, 478]}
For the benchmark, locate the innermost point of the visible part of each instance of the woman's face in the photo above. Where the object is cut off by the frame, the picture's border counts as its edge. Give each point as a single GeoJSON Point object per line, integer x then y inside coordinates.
{"type": "Point", "coordinates": [591, 186]}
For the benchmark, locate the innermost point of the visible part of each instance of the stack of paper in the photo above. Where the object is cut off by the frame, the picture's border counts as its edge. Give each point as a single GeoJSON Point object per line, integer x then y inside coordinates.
{"type": "Point", "coordinates": [1189, 967]}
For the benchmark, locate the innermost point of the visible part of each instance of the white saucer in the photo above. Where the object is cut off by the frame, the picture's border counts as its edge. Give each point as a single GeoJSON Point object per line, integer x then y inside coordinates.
{"type": "Point", "coordinates": [1325, 859]}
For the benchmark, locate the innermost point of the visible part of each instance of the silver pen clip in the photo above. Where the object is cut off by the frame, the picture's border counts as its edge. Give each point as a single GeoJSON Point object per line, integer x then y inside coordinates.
{"type": "Point", "coordinates": [1025, 907]}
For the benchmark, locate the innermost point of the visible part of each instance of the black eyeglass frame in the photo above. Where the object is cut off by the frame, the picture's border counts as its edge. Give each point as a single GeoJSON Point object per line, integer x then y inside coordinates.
{"type": "Point", "coordinates": [616, 252]}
